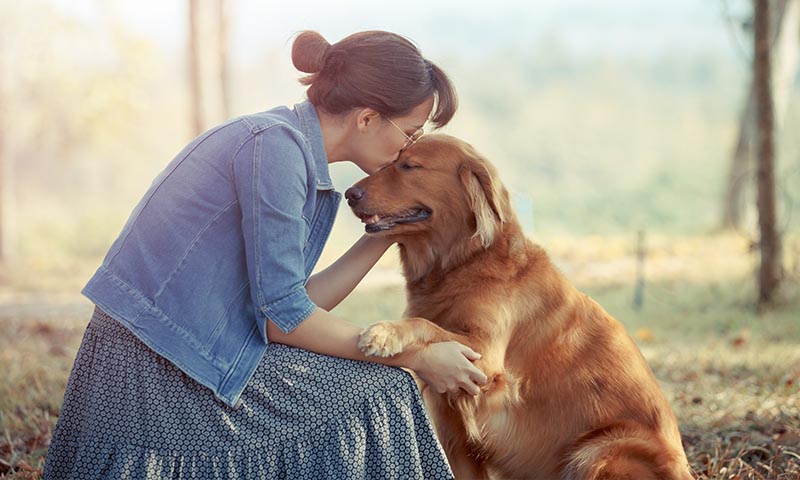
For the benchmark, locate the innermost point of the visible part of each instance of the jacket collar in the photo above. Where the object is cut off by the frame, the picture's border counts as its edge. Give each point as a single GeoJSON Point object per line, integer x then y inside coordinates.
{"type": "Point", "coordinates": [309, 123]}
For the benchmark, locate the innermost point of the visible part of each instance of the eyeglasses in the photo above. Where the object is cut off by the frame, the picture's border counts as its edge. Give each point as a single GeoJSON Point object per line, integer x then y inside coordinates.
{"type": "Point", "coordinates": [410, 139]}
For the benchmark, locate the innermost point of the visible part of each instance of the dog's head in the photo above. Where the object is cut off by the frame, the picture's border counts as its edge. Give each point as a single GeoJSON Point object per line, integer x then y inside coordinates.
{"type": "Point", "coordinates": [441, 186]}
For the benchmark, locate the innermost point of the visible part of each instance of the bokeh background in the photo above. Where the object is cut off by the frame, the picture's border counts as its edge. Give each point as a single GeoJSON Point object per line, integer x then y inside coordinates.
{"type": "Point", "coordinates": [613, 123]}
{"type": "Point", "coordinates": [604, 117]}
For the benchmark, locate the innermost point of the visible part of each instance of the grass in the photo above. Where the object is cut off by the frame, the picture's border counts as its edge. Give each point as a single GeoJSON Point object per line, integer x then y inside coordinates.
{"type": "Point", "coordinates": [36, 361]}
{"type": "Point", "coordinates": [730, 372]}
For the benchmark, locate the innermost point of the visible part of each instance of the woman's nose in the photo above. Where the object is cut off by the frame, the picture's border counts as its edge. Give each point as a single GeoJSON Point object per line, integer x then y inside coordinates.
{"type": "Point", "coordinates": [354, 195]}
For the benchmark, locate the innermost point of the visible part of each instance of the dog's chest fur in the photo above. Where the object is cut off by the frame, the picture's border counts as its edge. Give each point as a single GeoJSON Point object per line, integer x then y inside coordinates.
{"type": "Point", "coordinates": [485, 417]}
{"type": "Point", "coordinates": [461, 303]}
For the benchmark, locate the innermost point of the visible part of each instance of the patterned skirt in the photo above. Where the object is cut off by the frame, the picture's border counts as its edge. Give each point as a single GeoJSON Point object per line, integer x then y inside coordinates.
{"type": "Point", "coordinates": [129, 413]}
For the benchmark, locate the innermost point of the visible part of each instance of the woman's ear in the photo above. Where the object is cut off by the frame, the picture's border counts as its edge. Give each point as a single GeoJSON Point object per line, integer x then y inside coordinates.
{"type": "Point", "coordinates": [366, 118]}
{"type": "Point", "coordinates": [485, 197]}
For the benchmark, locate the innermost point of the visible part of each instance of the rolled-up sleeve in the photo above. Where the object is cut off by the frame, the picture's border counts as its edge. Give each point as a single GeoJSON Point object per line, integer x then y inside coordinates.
{"type": "Point", "coordinates": [272, 186]}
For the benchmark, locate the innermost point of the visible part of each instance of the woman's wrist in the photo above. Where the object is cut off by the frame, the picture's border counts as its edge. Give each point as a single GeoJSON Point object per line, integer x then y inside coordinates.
{"type": "Point", "coordinates": [379, 241]}
{"type": "Point", "coordinates": [410, 359]}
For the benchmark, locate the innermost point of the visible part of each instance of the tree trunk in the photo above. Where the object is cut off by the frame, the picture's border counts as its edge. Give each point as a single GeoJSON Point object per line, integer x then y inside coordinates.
{"type": "Point", "coordinates": [196, 101]}
{"type": "Point", "coordinates": [786, 22]}
{"type": "Point", "coordinates": [224, 71]}
{"type": "Point", "coordinates": [770, 244]}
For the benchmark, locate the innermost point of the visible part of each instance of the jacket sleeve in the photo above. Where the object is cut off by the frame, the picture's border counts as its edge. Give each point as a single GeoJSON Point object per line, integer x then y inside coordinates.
{"type": "Point", "coordinates": [272, 186]}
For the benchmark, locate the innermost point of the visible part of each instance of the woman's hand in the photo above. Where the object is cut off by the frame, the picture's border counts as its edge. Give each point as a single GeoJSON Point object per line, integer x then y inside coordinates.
{"type": "Point", "coordinates": [447, 368]}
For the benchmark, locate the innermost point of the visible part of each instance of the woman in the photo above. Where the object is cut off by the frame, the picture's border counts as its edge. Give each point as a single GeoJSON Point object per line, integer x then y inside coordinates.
{"type": "Point", "coordinates": [211, 353]}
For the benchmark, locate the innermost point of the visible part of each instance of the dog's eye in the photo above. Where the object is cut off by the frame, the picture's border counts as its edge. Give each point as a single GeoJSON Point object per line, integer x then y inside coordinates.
{"type": "Point", "coordinates": [409, 166]}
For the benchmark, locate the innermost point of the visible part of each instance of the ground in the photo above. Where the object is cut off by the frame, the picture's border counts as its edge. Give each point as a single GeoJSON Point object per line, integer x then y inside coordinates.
{"type": "Point", "coordinates": [730, 372]}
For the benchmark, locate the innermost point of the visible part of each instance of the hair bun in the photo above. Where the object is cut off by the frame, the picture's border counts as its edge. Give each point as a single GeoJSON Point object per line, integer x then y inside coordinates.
{"type": "Point", "coordinates": [308, 50]}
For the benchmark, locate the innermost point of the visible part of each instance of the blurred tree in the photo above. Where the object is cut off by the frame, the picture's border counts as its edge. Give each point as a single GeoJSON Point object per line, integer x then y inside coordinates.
{"type": "Point", "coordinates": [209, 74]}
{"type": "Point", "coordinates": [222, 44]}
{"type": "Point", "coordinates": [196, 102]}
{"type": "Point", "coordinates": [785, 23]}
{"type": "Point", "coordinates": [770, 242]}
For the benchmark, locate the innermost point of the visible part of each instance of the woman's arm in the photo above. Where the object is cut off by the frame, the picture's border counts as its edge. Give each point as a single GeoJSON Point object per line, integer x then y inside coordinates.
{"type": "Point", "coordinates": [329, 287]}
{"type": "Point", "coordinates": [446, 366]}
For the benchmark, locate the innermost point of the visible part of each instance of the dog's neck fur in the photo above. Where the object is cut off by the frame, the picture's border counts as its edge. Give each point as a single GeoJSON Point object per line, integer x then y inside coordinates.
{"type": "Point", "coordinates": [427, 260]}
{"type": "Point", "coordinates": [437, 281]}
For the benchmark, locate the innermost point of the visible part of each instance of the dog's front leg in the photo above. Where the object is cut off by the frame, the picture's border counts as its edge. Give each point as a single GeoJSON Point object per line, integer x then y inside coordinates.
{"type": "Point", "coordinates": [386, 339]}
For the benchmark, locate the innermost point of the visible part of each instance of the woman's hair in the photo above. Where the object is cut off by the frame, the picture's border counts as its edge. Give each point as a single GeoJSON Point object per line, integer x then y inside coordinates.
{"type": "Point", "coordinates": [375, 69]}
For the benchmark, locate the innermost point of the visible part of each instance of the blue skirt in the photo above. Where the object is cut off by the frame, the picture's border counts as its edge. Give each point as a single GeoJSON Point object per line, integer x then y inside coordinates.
{"type": "Point", "coordinates": [129, 413]}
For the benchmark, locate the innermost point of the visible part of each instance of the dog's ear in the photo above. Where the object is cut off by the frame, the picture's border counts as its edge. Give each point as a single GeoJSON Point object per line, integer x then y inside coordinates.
{"type": "Point", "coordinates": [485, 196]}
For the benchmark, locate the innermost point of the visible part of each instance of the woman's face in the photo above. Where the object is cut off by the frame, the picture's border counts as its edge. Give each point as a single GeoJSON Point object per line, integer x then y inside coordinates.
{"type": "Point", "coordinates": [379, 141]}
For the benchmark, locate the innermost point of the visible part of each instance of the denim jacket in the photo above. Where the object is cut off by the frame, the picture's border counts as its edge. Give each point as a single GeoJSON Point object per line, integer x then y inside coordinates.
{"type": "Point", "coordinates": [225, 239]}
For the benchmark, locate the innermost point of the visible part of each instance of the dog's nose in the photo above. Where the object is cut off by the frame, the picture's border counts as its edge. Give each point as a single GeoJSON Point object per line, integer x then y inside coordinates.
{"type": "Point", "coordinates": [354, 195]}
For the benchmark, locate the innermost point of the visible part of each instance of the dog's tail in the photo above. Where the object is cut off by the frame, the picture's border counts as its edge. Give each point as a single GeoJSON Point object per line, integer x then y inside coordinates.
{"type": "Point", "coordinates": [624, 453]}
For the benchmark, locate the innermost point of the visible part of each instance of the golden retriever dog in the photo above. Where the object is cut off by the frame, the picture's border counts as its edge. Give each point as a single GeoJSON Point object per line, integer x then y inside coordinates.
{"type": "Point", "coordinates": [569, 394]}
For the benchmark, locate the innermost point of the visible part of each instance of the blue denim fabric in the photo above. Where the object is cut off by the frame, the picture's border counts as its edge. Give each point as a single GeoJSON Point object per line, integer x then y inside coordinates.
{"type": "Point", "coordinates": [225, 239]}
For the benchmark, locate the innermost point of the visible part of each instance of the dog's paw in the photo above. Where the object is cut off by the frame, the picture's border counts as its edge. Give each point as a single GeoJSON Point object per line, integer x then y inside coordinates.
{"type": "Point", "coordinates": [380, 340]}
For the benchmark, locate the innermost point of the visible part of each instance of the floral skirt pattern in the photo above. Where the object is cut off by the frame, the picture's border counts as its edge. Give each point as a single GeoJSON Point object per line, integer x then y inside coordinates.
{"type": "Point", "coordinates": [129, 413]}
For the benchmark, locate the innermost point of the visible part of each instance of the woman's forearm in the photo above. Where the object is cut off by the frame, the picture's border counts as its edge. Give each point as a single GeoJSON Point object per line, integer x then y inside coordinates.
{"type": "Point", "coordinates": [330, 286]}
{"type": "Point", "coordinates": [325, 333]}
{"type": "Point", "coordinates": [445, 366]}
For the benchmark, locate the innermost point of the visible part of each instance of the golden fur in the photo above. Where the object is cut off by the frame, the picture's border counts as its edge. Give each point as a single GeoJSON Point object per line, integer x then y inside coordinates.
{"type": "Point", "coordinates": [569, 394]}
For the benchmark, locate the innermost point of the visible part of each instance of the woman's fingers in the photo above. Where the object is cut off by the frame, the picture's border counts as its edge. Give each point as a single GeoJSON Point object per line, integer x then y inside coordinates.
{"type": "Point", "coordinates": [474, 378]}
{"type": "Point", "coordinates": [448, 367]}
{"type": "Point", "coordinates": [478, 376]}
{"type": "Point", "coordinates": [470, 388]}
{"type": "Point", "coordinates": [471, 354]}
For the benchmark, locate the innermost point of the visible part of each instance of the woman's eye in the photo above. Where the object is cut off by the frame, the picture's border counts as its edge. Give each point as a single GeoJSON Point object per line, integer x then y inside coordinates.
{"type": "Point", "coordinates": [408, 166]}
